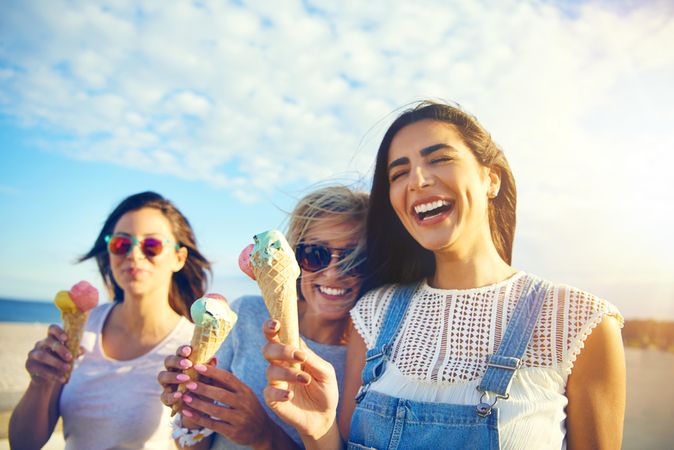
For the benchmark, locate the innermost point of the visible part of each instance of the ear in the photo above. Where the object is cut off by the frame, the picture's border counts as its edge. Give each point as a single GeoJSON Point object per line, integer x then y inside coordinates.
{"type": "Point", "coordinates": [494, 182]}
{"type": "Point", "coordinates": [181, 259]}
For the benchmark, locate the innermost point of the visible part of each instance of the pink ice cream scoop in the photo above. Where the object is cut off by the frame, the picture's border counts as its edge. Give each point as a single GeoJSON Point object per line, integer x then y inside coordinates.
{"type": "Point", "coordinates": [84, 296]}
{"type": "Point", "coordinates": [244, 261]}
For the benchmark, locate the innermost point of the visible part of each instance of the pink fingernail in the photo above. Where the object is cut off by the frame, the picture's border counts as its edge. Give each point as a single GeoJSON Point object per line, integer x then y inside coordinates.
{"type": "Point", "coordinates": [186, 413]}
{"type": "Point", "coordinates": [191, 386]}
{"type": "Point", "coordinates": [185, 351]}
{"type": "Point", "coordinates": [177, 394]}
{"type": "Point", "coordinates": [187, 399]}
{"type": "Point", "coordinates": [200, 368]}
{"type": "Point", "coordinates": [182, 377]}
{"type": "Point", "coordinates": [185, 363]}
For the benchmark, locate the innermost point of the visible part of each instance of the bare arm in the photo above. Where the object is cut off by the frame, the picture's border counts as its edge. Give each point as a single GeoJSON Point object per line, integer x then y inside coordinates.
{"type": "Point", "coordinates": [355, 355]}
{"type": "Point", "coordinates": [596, 391]}
{"type": "Point", "coordinates": [34, 418]}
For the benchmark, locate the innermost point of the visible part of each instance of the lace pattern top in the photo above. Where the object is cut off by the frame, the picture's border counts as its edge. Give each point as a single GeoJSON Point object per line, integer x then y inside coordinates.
{"type": "Point", "coordinates": [439, 353]}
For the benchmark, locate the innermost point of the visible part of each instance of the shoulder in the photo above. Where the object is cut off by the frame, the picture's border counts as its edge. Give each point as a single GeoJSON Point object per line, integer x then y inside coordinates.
{"type": "Point", "coordinates": [251, 313]}
{"type": "Point", "coordinates": [97, 316]}
{"type": "Point", "coordinates": [249, 306]}
{"type": "Point", "coordinates": [574, 314]}
{"type": "Point", "coordinates": [369, 310]}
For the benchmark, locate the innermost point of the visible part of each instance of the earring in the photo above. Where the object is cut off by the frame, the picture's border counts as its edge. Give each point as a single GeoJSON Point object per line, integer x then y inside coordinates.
{"type": "Point", "coordinates": [493, 194]}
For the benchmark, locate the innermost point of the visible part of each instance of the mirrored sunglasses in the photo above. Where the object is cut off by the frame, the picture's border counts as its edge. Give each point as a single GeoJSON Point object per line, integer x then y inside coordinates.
{"type": "Point", "coordinates": [121, 245]}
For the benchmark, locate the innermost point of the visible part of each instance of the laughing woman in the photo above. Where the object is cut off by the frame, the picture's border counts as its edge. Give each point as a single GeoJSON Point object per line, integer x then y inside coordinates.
{"type": "Point", "coordinates": [455, 348]}
{"type": "Point", "coordinates": [149, 260]}
{"type": "Point", "coordinates": [327, 231]}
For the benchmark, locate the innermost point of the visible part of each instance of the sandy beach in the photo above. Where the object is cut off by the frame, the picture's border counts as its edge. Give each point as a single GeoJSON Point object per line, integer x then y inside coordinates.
{"type": "Point", "coordinates": [648, 376]}
{"type": "Point", "coordinates": [17, 340]}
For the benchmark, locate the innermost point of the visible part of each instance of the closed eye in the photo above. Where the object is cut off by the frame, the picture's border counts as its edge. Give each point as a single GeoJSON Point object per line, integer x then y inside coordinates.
{"type": "Point", "coordinates": [439, 159]}
{"type": "Point", "coordinates": [396, 174]}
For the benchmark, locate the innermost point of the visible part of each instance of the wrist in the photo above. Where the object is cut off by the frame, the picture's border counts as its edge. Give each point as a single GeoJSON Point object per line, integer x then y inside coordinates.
{"type": "Point", "coordinates": [267, 440]}
{"type": "Point", "coordinates": [323, 438]}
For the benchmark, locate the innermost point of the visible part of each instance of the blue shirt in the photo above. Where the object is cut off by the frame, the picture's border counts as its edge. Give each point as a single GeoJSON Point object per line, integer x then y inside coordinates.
{"type": "Point", "coordinates": [241, 354]}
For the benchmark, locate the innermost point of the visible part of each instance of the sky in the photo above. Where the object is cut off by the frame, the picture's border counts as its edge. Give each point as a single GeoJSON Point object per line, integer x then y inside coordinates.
{"type": "Point", "coordinates": [235, 110]}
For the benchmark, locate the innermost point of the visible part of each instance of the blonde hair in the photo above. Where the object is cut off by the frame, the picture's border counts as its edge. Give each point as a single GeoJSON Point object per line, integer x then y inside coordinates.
{"type": "Point", "coordinates": [327, 206]}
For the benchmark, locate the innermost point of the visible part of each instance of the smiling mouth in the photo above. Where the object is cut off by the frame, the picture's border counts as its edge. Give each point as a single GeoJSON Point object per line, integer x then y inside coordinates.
{"type": "Point", "coordinates": [334, 292]}
{"type": "Point", "coordinates": [425, 211]}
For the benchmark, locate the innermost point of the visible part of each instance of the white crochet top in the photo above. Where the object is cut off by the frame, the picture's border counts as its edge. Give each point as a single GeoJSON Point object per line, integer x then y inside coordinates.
{"type": "Point", "coordinates": [439, 353]}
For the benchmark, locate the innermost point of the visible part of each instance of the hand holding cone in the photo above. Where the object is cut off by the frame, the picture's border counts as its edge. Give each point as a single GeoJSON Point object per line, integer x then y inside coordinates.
{"type": "Point", "coordinates": [213, 320]}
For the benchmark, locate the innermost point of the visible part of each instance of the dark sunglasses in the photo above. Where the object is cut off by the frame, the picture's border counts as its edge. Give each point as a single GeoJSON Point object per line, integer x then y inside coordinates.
{"type": "Point", "coordinates": [121, 245]}
{"type": "Point", "coordinates": [314, 257]}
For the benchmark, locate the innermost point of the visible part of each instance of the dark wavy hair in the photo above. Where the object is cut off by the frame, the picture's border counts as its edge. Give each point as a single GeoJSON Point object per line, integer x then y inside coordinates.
{"type": "Point", "coordinates": [393, 256]}
{"type": "Point", "coordinates": [189, 283]}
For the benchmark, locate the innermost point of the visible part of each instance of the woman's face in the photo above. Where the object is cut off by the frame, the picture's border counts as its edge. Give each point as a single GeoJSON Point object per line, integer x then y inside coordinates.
{"type": "Point", "coordinates": [136, 273]}
{"type": "Point", "coordinates": [329, 293]}
{"type": "Point", "coordinates": [438, 189]}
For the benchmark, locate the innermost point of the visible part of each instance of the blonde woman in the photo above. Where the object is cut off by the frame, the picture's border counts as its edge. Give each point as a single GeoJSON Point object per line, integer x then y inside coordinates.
{"type": "Point", "coordinates": [327, 231]}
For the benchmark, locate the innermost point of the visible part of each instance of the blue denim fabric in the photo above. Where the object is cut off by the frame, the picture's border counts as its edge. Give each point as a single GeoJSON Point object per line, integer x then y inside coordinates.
{"type": "Point", "coordinates": [384, 422]}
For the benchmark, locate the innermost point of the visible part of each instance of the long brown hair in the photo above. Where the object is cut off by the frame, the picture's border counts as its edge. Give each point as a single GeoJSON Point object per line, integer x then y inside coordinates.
{"type": "Point", "coordinates": [393, 256]}
{"type": "Point", "coordinates": [189, 283]}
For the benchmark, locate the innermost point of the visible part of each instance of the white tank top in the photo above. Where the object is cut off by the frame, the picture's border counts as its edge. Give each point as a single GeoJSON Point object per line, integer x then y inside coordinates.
{"type": "Point", "coordinates": [110, 404]}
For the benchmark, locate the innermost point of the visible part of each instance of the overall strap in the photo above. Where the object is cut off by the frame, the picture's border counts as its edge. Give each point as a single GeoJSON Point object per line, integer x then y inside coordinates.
{"type": "Point", "coordinates": [375, 359]}
{"type": "Point", "coordinates": [502, 365]}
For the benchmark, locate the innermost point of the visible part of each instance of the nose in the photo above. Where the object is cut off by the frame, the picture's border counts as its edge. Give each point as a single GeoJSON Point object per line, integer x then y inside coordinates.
{"type": "Point", "coordinates": [419, 178]}
{"type": "Point", "coordinates": [136, 252]}
{"type": "Point", "coordinates": [332, 270]}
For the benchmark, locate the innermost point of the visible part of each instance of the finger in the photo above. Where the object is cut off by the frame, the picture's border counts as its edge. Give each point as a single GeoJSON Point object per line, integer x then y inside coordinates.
{"type": "Point", "coordinates": [208, 408]}
{"type": "Point", "coordinates": [205, 421]}
{"type": "Point", "coordinates": [171, 379]}
{"type": "Point", "coordinates": [212, 393]}
{"type": "Point", "coordinates": [170, 397]}
{"type": "Point", "coordinates": [177, 363]}
{"type": "Point", "coordinates": [277, 352]}
{"type": "Point", "coordinates": [278, 374]}
{"type": "Point", "coordinates": [40, 371]}
{"type": "Point", "coordinates": [274, 395]}
{"type": "Point", "coordinates": [270, 329]}
{"type": "Point", "coordinates": [219, 377]}
{"type": "Point", "coordinates": [47, 359]}
{"type": "Point", "coordinates": [57, 333]}
{"type": "Point", "coordinates": [184, 351]}
{"type": "Point", "coordinates": [59, 349]}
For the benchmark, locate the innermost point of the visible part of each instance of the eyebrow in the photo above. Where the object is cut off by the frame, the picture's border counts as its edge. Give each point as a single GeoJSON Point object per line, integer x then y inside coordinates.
{"type": "Point", "coordinates": [423, 152]}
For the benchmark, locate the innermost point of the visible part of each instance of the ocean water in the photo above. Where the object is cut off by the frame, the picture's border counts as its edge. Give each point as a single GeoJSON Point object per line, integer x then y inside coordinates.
{"type": "Point", "coordinates": [12, 310]}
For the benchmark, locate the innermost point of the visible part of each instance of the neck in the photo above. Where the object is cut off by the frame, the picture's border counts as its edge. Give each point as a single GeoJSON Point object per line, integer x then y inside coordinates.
{"type": "Point", "coordinates": [146, 315]}
{"type": "Point", "coordinates": [474, 268]}
{"type": "Point", "coordinates": [329, 332]}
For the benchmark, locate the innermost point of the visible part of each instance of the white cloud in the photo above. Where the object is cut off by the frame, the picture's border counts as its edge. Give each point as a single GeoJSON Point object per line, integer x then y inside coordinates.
{"type": "Point", "coordinates": [257, 99]}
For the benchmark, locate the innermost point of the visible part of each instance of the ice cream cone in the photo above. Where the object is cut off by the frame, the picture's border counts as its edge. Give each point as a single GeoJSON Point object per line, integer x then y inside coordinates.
{"type": "Point", "coordinates": [277, 280]}
{"type": "Point", "coordinates": [75, 306]}
{"type": "Point", "coordinates": [73, 324]}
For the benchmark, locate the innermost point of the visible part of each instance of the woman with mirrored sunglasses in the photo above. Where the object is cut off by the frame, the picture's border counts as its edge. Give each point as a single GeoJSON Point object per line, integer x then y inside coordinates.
{"type": "Point", "coordinates": [149, 260]}
{"type": "Point", "coordinates": [327, 230]}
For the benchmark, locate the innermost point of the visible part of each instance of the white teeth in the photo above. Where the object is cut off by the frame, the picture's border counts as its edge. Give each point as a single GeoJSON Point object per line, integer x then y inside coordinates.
{"type": "Point", "coordinates": [425, 207]}
{"type": "Point", "coordinates": [331, 291]}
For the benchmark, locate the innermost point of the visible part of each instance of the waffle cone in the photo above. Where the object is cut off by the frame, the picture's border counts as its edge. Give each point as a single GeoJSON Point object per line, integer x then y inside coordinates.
{"type": "Point", "coordinates": [73, 324]}
{"type": "Point", "coordinates": [205, 343]}
{"type": "Point", "coordinates": [278, 285]}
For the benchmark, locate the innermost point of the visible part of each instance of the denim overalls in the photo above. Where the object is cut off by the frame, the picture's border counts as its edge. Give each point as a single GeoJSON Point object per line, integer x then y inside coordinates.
{"type": "Point", "coordinates": [384, 422]}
